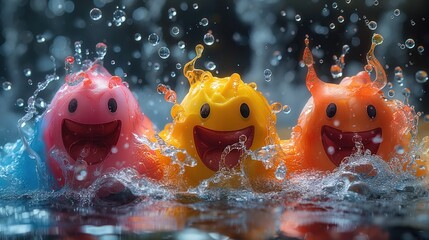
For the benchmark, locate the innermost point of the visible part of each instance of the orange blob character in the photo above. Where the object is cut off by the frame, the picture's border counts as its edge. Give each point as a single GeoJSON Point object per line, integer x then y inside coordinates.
{"type": "Point", "coordinates": [340, 119]}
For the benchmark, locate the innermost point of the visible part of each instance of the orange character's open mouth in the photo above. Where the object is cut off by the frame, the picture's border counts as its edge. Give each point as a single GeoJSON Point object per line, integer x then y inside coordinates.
{"type": "Point", "coordinates": [90, 142]}
{"type": "Point", "coordinates": [339, 144]}
{"type": "Point", "coordinates": [210, 145]}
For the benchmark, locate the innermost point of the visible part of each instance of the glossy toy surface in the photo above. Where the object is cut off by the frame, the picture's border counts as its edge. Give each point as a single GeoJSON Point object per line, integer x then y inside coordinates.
{"type": "Point", "coordinates": [89, 129]}
{"type": "Point", "coordinates": [217, 121]}
{"type": "Point", "coordinates": [341, 118]}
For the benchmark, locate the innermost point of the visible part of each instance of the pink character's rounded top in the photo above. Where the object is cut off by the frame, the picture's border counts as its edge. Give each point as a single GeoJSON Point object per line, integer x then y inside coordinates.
{"type": "Point", "coordinates": [90, 128]}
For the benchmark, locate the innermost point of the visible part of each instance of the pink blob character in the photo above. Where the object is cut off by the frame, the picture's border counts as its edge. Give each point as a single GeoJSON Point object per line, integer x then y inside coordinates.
{"type": "Point", "coordinates": [90, 129]}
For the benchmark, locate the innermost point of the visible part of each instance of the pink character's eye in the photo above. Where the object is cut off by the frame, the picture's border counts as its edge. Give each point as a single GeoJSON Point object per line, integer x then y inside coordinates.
{"type": "Point", "coordinates": [73, 105]}
{"type": "Point", "coordinates": [331, 110]}
{"type": "Point", "coordinates": [112, 105]}
{"type": "Point", "coordinates": [371, 111]}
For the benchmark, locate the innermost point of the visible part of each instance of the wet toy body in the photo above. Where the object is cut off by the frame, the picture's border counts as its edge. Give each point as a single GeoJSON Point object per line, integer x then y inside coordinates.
{"type": "Point", "coordinates": [89, 130]}
{"type": "Point", "coordinates": [217, 122]}
{"type": "Point", "coordinates": [341, 119]}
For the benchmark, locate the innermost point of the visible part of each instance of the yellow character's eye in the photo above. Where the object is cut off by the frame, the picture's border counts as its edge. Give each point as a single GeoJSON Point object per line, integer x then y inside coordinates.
{"type": "Point", "coordinates": [371, 111]}
{"type": "Point", "coordinates": [112, 105]}
{"type": "Point", "coordinates": [205, 110]}
{"type": "Point", "coordinates": [331, 110]}
{"type": "Point", "coordinates": [244, 110]}
{"type": "Point", "coordinates": [73, 105]}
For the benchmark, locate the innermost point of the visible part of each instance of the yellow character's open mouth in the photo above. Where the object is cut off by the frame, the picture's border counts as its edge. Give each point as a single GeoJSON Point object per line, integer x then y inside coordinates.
{"type": "Point", "coordinates": [210, 145]}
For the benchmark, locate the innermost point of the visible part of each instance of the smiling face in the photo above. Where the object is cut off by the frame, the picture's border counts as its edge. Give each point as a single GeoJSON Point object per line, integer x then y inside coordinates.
{"type": "Point", "coordinates": [92, 123]}
{"type": "Point", "coordinates": [341, 118]}
{"type": "Point", "coordinates": [216, 121]}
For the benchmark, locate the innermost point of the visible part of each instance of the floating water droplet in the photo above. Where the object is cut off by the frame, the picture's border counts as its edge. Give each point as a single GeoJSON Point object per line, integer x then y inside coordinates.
{"type": "Point", "coordinates": [112, 62]}
{"type": "Point", "coordinates": [210, 65]}
{"type": "Point", "coordinates": [332, 26]}
{"type": "Point", "coordinates": [336, 71]}
{"type": "Point", "coordinates": [181, 44]}
{"type": "Point", "coordinates": [267, 73]}
{"type": "Point", "coordinates": [283, 13]}
{"type": "Point", "coordinates": [7, 86]}
{"type": "Point", "coordinates": [204, 22]}
{"type": "Point", "coordinates": [101, 50]}
{"type": "Point", "coordinates": [420, 49]}
{"type": "Point", "coordinates": [348, 1]}
{"type": "Point", "coordinates": [391, 93]}
{"type": "Point", "coordinates": [377, 39]}
{"type": "Point", "coordinates": [95, 14]}
{"type": "Point", "coordinates": [276, 107]}
{"type": "Point", "coordinates": [119, 17]}
{"type": "Point", "coordinates": [40, 103]}
{"type": "Point", "coordinates": [30, 82]}
{"type": "Point", "coordinates": [208, 39]}
{"type": "Point", "coordinates": [372, 25]}
{"type": "Point", "coordinates": [173, 74]}
{"type": "Point", "coordinates": [412, 23]}
{"type": "Point", "coordinates": [137, 37]}
{"type": "Point", "coordinates": [399, 149]}
{"type": "Point", "coordinates": [331, 150]}
{"type": "Point", "coordinates": [174, 31]}
{"type": "Point", "coordinates": [334, 5]}
{"type": "Point", "coordinates": [40, 39]}
{"type": "Point", "coordinates": [178, 66]}
{"type": "Point", "coordinates": [409, 43]}
{"type": "Point", "coordinates": [406, 92]}
{"type": "Point", "coordinates": [340, 19]}
{"type": "Point", "coordinates": [19, 102]}
{"type": "Point", "coordinates": [396, 12]}
{"type": "Point", "coordinates": [286, 109]}
{"type": "Point", "coordinates": [156, 66]}
{"type": "Point", "coordinates": [153, 39]}
{"type": "Point", "coordinates": [376, 2]}
{"type": "Point", "coordinates": [164, 52]}
{"type": "Point", "coordinates": [399, 76]}
{"type": "Point", "coordinates": [297, 17]}
{"type": "Point", "coordinates": [195, 6]}
{"type": "Point", "coordinates": [368, 68]}
{"type": "Point", "coordinates": [280, 172]}
{"type": "Point", "coordinates": [172, 13]}
{"type": "Point", "coordinates": [27, 72]}
{"type": "Point", "coordinates": [421, 76]}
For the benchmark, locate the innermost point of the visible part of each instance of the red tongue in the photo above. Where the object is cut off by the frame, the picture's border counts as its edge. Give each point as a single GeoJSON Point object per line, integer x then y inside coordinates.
{"type": "Point", "coordinates": [90, 152]}
{"type": "Point", "coordinates": [212, 158]}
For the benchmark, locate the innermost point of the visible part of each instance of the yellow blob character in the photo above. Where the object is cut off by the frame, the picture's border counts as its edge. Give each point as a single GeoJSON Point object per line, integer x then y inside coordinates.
{"type": "Point", "coordinates": [217, 122]}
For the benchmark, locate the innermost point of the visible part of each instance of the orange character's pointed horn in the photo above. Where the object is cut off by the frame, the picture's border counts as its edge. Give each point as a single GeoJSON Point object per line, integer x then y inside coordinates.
{"type": "Point", "coordinates": [312, 80]}
{"type": "Point", "coordinates": [380, 76]}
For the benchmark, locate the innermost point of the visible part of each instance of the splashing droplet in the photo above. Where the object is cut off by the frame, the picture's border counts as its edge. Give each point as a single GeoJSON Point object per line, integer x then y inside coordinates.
{"type": "Point", "coordinates": [169, 94]}
{"type": "Point", "coordinates": [101, 50]}
{"type": "Point", "coordinates": [19, 102]}
{"type": "Point", "coordinates": [204, 22]}
{"type": "Point", "coordinates": [208, 38]}
{"type": "Point", "coordinates": [372, 25]}
{"type": "Point", "coordinates": [297, 17]}
{"type": "Point", "coordinates": [153, 39]}
{"type": "Point", "coordinates": [409, 43]}
{"type": "Point", "coordinates": [396, 12]}
{"type": "Point", "coordinates": [210, 65]}
{"type": "Point", "coordinates": [95, 14]}
{"type": "Point", "coordinates": [172, 13]}
{"type": "Point", "coordinates": [119, 17]}
{"type": "Point", "coordinates": [181, 44]}
{"type": "Point", "coordinates": [137, 37]}
{"type": "Point", "coordinates": [399, 76]}
{"type": "Point", "coordinates": [286, 109]}
{"type": "Point", "coordinates": [164, 52]}
{"type": "Point", "coordinates": [420, 49]}
{"type": "Point", "coordinates": [27, 72]}
{"type": "Point", "coordinates": [195, 6]}
{"type": "Point", "coordinates": [7, 86]}
{"type": "Point", "coordinates": [340, 19]}
{"type": "Point", "coordinates": [174, 31]}
{"type": "Point", "coordinates": [281, 171]}
{"type": "Point", "coordinates": [276, 107]}
{"type": "Point", "coordinates": [421, 76]}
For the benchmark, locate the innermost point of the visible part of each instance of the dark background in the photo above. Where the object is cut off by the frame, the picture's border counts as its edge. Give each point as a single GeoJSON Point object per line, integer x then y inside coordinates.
{"type": "Point", "coordinates": [247, 33]}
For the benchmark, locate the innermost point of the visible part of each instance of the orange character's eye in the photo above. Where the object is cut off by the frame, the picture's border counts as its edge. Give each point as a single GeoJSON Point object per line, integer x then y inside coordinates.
{"type": "Point", "coordinates": [244, 110]}
{"type": "Point", "coordinates": [371, 111]}
{"type": "Point", "coordinates": [331, 110]}
{"type": "Point", "coordinates": [112, 105]}
{"type": "Point", "coordinates": [73, 105]}
{"type": "Point", "coordinates": [205, 110]}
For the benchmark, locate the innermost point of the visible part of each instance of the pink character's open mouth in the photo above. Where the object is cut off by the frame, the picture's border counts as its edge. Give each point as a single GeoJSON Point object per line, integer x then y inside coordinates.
{"type": "Point", "coordinates": [90, 142]}
{"type": "Point", "coordinates": [339, 144]}
{"type": "Point", "coordinates": [210, 145]}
